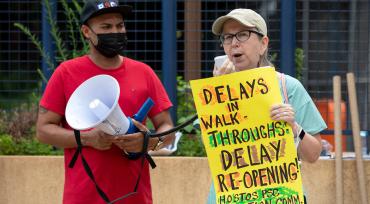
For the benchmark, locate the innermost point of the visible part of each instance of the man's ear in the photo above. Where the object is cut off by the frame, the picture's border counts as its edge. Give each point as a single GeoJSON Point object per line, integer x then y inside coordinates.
{"type": "Point", "coordinates": [85, 31]}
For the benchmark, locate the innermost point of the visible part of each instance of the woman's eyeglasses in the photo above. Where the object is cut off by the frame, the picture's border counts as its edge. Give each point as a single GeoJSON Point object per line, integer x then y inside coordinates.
{"type": "Point", "coordinates": [241, 36]}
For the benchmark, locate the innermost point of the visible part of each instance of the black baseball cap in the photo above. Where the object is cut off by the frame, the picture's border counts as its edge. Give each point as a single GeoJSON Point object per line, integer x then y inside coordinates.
{"type": "Point", "coordinates": [94, 8]}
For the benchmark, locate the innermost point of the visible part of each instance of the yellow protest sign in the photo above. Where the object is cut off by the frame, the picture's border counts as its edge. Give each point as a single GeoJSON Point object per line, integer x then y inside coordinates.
{"type": "Point", "coordinates": [252, 158]}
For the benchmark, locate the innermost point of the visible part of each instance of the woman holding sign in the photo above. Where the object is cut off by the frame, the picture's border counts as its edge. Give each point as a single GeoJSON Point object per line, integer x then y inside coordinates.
{"type": "Point", "coordinates": [243, 35]}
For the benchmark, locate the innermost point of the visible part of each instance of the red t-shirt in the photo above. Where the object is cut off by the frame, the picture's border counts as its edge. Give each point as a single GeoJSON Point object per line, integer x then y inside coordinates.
{"type": "Point", "coordinates": [114, 173]}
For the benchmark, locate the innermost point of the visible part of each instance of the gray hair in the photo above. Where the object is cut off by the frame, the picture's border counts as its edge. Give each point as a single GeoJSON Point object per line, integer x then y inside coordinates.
{"type": "Point", "coordinates": [264, 58]}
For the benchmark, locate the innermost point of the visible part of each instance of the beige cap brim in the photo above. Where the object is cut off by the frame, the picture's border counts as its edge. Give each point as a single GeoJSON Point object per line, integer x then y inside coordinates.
{"type": "Point", "coordinates": [219, 23]}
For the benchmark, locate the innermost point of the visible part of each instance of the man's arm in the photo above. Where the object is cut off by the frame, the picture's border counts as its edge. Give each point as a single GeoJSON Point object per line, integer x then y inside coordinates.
{"type": "Point", "coordinates": [49, 131]}
{"type": "Point", "coordinates": [163, 122]}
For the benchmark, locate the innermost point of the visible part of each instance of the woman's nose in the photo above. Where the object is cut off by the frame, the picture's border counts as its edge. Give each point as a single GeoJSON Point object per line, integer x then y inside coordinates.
{"type": "Point", "coordinates": [235, 42]}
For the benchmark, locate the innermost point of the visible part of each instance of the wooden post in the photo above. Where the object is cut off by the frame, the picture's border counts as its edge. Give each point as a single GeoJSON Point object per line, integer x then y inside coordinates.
{"type": "Point", "coordinates": [193, 46]}
{"type": "Point", "coordinates": [356, 136]}
{"type": "Point", "coordinates": [338, 139]}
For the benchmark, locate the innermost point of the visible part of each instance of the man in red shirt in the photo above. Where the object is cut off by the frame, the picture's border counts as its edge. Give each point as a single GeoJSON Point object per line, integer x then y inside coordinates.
{"type": "Point", "coordinates": [103, 27]}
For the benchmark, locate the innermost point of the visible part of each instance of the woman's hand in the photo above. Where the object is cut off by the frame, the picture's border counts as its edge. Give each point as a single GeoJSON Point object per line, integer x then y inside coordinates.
{"type": "Point", "coordinates": [226, 68]}
{"type": "Point", "coordinates": [309, 148]}
{"type": "Point", "coordinates": [284, 112]}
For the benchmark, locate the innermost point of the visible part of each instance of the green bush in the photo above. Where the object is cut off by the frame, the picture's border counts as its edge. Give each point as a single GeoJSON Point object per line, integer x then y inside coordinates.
{"type": "Point", "coordinates": [17, 132]}
{"type": "Point", "coordinates": [299, 57]}
{"type": "Point", "coordinates": [190, 143]}
{"type": "Point", "coordinates": [7, 145]}
{"type": "Point", "coordinates": [19, 122]}
{"type": "Point", "coordinates": [25, 146]}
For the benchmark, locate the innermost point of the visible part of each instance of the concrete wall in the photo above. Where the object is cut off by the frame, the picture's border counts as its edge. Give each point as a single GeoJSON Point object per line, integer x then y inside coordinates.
{"type": "Point", "coordinates": [39, 180]}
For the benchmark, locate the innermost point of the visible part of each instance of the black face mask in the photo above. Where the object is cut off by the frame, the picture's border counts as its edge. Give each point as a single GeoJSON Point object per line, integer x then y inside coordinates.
{"type": "Point", "coordinates": [111, 44]}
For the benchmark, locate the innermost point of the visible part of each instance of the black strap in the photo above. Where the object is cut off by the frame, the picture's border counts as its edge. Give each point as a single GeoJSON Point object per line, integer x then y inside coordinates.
{"type": "Point", "coordinates": [144, 151]}
{"type": "Point", "coordinates": [86, 165]}
{"type": "Point", "coordinates": [78, 150]}
{"type": "Point", "coordinates": [186, 123]}
{"type": "Point", "coordinates": [302, 134]}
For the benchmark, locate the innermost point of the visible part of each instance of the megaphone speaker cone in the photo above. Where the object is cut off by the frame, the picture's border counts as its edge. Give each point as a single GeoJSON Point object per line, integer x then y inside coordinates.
{"type": "Point", "coordinates": [95, 104]}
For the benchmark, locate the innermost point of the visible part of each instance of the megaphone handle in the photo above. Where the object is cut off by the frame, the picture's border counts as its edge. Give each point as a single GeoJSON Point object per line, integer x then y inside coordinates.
{"type": "Point", "coordinates": [139, 116]}
{"type": "Point", "coordinates": [131, 128]}
{"type": "Point", "coordinates": [143, 111]}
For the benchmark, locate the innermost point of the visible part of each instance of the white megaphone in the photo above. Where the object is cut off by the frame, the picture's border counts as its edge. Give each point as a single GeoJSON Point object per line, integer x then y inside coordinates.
{"type": "Point", "coordinates": [94, 104]}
